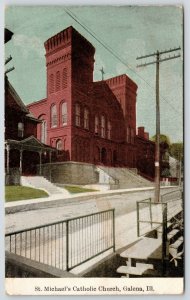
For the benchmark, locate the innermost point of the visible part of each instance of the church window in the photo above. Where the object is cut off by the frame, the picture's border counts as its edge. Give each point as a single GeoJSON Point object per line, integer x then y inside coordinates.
{"type": "Point", "coordinates": [109, 130]}
{"type": "Point", "coordinates": [86, 118]}
{"type": "Point", "coordinates": [77, 115]}
{"type": "Point", "coordinates": [96, 124]}
{"type": "Point", "coordinates": [59, 146]}
{"type": "Point", "coordinates": [128, 135]}
{"type": "Point", "coordinates": [64, 113]}
{"type": "Point", "coordinates": [103, 126]}
{"type": "Point", "coordinates": [132, 136]}
{"type": "Point", "coordinates": [53, 116]}
{"type": "Point", "coordinates": [57, 81]}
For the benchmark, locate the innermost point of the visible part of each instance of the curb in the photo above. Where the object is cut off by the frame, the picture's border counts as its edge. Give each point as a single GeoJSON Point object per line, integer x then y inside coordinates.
{"type": "Point", "coordinates": [40, 203]}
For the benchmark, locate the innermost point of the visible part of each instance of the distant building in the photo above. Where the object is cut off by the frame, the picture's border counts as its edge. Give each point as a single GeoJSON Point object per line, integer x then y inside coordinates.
{"type": "Point", "coordinates": [86, 121]}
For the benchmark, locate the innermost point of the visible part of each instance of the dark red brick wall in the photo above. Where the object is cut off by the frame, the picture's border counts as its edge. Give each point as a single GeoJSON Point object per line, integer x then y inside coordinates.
{"type": "Point", "coordinates": [70, 65]}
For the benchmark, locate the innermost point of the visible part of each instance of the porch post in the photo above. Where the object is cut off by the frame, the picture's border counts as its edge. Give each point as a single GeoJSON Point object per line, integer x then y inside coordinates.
{"type": "Point", "coordinates": [20, 168]}
{"type": "Point", "coordinates": [40, 153]}
{"type": "Point", "coordinates": [8, 153]}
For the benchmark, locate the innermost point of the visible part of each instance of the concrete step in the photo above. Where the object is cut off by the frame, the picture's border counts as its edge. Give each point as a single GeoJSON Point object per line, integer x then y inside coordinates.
{"type": "Point", "coordinates": [138, 270]}
{"type": "Point", "coordinates": [172, 234]}
{"type": "Point", "coordinates": [177, 243]}
{"type": "Point", "coordinates": [125, 177]}
{"type": "Point", "coordinates": [42, 183]}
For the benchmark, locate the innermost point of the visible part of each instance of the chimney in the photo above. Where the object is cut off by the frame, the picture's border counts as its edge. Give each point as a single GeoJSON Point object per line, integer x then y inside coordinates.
{"type": "Point", "coordinates": [141, 132]}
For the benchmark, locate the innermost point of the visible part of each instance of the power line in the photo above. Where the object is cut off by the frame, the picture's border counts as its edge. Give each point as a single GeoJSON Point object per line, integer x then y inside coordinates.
{"type": "Point", "coordinates": [109, 49]}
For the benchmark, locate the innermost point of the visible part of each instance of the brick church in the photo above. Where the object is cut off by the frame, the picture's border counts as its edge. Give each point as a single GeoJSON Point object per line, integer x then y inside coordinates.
{"type": "Point", "coordinates": [87, 121]}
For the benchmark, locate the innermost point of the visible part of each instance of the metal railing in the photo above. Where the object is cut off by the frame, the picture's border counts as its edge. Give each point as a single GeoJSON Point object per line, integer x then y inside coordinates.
{"type": "Point", "coordinates": [152, 216]}
{"type": "Point", "coordinates": [66, 244]}
{"type": "Point", "coordinates": [149, 213]}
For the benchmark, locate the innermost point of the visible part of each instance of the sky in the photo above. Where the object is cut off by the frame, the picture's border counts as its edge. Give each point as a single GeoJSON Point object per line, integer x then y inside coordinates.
{"type": "Point", "coordinates": [129, 31]}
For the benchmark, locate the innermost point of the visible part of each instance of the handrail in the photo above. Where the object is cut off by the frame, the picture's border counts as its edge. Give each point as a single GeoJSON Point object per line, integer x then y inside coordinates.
{"type": "Point", "coordinates": [56, 223]}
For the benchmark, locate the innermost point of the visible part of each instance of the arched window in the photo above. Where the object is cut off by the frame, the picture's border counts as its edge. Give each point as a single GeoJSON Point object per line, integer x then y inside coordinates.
{"type": "Point", "coordinates": [64, 79]}
{"type": "Point", "coordinates": [86, 118]}
{"type": "Point", "coordinates": [96, 129]}
{"type": "Point", "coordinates": [59, 146]}
{"type": "Point", "coordinates": [53, 116]}
{"type": "Point", "coordinates": [109, 130]}
{"type": "Point", "coordinates": [20, 129]}
{"type": "Point", "coordinates": [51, 83]}
{"type": "Point", "coordinates": [103, 126]}
{"type": "Point", "coordinates": [57, 87]}
{"type": "Point", "coordinates": [43, 137]}
{"type": "Point", "coordinates": [64, 113]}
{"type": "Point", "coordinates": [103, 155]}
{"type": "Point", "coordinates": [77, 115]}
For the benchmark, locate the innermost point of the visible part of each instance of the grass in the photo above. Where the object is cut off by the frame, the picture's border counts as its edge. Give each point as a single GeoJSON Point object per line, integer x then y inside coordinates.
{"type": "Point", "coordinates": [76, 189]}
{"type": "Point", "coordinates": [17, 192]}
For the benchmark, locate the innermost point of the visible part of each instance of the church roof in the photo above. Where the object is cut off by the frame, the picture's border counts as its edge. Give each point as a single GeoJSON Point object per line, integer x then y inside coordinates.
{"type": "Point", "coordinates": [101, 89]}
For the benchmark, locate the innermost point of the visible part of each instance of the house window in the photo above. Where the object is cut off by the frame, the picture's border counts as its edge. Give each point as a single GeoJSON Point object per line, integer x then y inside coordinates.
{"type": "Point", "coordinates": [64, 113]}
{"type": "Point", "coordinates": [96, 125]}
{"type": "Point", "coordinates": [64, 81]}
{"type": "Point", "coordinates": [59, 146]}
{"type": "Point", "coordinates": [53, 116]}
{"type": "Point", "coordinates": [103, 126]}
{"type": "Point", "coordinates": [109, 130]}
{"type": "Point", "coordinates": [43, 131]}
{"type": "Point", "coordinates": [51, 83]}
{"type": "Point", "coordinates": [77, 114]}
{"type": "Point", "coordinates": [57, 81]}
{"type": "Point", "coordinates": [86, 118]}
{"type": "Point", "coordinates": [20, 129]}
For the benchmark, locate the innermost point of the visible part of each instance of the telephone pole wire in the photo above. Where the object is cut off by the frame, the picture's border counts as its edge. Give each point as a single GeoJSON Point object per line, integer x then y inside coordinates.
{"type": "Point", "coordinates": [157, 144]}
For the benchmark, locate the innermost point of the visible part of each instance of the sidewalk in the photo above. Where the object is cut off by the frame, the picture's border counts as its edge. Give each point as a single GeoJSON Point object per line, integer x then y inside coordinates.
{"type": "Point", "coordinates": [60, 199]}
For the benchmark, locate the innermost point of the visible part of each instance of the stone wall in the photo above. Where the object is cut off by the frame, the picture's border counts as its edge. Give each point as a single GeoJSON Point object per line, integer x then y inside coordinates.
{"type": "Point", "coordinates": [71, 172]}
{"type": "Point", "coordinates": [17, 266]}
{"type": "Point", "coordinates": [13, 178]}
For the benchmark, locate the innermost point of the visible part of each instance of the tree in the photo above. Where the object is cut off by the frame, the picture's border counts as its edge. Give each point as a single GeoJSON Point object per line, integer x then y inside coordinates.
{"type": "Point", "coordinates": [164, 139]}
{"type": "Point", "coordinates": [176, 150]}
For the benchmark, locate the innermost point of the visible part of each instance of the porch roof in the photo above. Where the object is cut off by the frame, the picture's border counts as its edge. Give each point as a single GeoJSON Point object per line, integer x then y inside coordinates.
{"type": "Point", "coordinates": [31, 144]}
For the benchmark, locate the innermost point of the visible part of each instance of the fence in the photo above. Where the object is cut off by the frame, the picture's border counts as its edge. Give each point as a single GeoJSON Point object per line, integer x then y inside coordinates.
{"type": "Point", "coordinates": [150, 214]}
{"type": "Point", "coordinates": [66, 244]}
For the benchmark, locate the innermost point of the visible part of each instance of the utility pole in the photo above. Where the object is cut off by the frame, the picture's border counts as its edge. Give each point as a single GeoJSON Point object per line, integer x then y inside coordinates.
{"type": "Point", "coordinates": [102, 71]}
{"type": "Point", "coordinates": [157, 54]}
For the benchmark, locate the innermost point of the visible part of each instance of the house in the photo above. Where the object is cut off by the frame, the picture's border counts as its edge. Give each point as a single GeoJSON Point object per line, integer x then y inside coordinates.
{"type": "Point", "coordinates": [23, 151]}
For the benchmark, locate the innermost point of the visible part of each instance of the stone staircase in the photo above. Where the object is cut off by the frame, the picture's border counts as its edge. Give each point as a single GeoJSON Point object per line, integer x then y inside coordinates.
{"type": "Point", "coordinates": [40, 182]}
{"type": "Point", "coordinates": [122, 178]}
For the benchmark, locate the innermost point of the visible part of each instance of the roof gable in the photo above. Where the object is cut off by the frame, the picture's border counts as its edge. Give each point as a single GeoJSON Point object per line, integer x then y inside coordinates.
{"type": "Point", "coordinates": [31, 141]}
{"type": "Point", "coordinates": [14, 97]}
